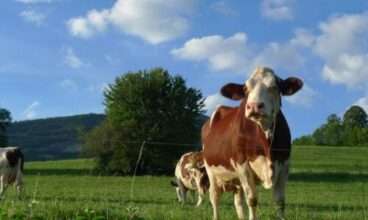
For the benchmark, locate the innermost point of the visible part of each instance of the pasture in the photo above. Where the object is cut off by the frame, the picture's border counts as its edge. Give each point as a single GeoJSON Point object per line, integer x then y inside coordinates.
{"type": "Point", "coordinates": [326, 183]}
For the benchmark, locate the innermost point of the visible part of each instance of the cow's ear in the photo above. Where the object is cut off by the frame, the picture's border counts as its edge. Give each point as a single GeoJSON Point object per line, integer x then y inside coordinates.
{"type": "Point", "coordinates": [233, 91]}
{"type": "Point", "coordinates": [291, 85]}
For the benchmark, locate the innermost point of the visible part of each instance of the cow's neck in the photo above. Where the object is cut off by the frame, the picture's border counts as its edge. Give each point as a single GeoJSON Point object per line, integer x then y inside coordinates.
{"type": "Point", "coordinates": [270, 130]}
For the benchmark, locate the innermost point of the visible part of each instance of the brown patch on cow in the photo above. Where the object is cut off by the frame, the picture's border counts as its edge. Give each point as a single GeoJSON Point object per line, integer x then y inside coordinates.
{"type": "Point", "coordinates": [233, 137]}
{"type": "Point", "coordinates": [194, 159]}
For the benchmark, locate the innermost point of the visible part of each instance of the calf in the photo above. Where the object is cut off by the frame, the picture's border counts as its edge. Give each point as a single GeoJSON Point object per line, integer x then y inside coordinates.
{"type": "Point", "coordinates": [11, 168]}
{"type": "Point", "coordinates": [251, 143]}
{"type": "Point", "coordinates": [191, 175]}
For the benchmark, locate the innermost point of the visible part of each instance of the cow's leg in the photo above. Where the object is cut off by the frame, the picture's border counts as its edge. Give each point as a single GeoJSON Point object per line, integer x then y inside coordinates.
{"type": "Point", "coordinates": [252, 201]}
{"type": "Point", "coordinates": [248, 184]}
{"type": "Point", "coordinates": [3, 186]}
{"type": "Point", "coordinates": [214, 193]}
{"type": "Point", "coordinates": [200, 196]}
{"type": "Point", "coordinates": [279, 187]}
{"type": "Point", "coordinates": [239, 202]}
{"type": "Point", "coordinates": [182, 191]}
{"type": "Point", "coordinates": [19, 184]}
{"type": "Point", "coordinates": [200, 191]}
{"type": "Point", "coordinates": [214, 198]}
{"type": "Point", "coordinates": [178, 193]}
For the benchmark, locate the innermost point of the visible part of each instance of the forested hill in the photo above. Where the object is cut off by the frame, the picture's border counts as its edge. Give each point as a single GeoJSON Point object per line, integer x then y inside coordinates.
{"type": "Point", "coordinates": [52, 138]}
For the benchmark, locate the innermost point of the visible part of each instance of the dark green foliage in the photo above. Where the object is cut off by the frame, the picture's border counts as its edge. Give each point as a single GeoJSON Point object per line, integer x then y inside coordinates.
{"type": "Point", "coordinates": [52, 138]}
{"type": "Point", "coordinates": [351, 131]}
{"type": "Point", "coordinates": [149, 106]}
{"type": "Point", "coordinates": [5, 120]}
{"type": "Point", "coordinates": [355, 117]}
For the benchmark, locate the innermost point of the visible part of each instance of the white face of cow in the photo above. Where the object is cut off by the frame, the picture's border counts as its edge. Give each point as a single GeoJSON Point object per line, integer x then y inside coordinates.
{"type": "Point", "coordinates": [262, 93]}
{"type": "Point", "coordinates": [263, 102]}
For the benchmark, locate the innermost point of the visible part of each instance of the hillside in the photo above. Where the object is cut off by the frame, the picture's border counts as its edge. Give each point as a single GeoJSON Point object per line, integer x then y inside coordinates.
{"type": "Point", "coordinates": [55, 138]}
{"type": "Point", "coordinates": [52, 138]}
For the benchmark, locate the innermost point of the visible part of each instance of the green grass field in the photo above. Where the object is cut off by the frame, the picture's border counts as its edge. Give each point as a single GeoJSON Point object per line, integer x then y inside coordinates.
{"type": "Point", "coordinates": [325, 183]}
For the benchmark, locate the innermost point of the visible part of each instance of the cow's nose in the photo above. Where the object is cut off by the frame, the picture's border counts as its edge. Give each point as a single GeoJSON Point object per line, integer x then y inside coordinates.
{"type": "Point", "coordinates": [255, 107]}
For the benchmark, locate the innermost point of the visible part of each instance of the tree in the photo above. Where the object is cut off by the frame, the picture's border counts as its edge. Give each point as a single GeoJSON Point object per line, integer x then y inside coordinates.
{"type": "Point", "coordinates": [352, 131]}
{"type": "Point", "coordinates": [355, 116]}
{"type": "Point", "coordinates": [5, 120]}
{"type": "Point", "coordinates": [304, 140]}
{"type": "Point", "coordinates": [149, 106]}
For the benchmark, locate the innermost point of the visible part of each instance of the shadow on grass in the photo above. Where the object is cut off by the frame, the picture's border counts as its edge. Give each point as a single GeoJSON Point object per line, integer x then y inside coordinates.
{"type": "Point", "coordinates": [336, 177]}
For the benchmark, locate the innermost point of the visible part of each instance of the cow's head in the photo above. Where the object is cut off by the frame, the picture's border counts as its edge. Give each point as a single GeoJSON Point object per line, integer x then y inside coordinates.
{"type": "Point", "coordinates": [262, 95]}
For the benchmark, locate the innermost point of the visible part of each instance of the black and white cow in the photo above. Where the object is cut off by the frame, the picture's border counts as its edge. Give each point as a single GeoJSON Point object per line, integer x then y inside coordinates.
{"type": "Point", "coordinates": [11, 168]}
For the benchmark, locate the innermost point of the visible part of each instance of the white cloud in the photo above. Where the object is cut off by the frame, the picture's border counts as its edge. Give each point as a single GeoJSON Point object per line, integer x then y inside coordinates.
{"type": "Point", "coordinates": [33, 17]}
{"type": "Point", "coordinates": [215, 100]}
{"type": "Point", "coordinates": [31, 111]}
{"type": "Point", "coordinates": [35, 1]}
{"type": "Point", "coordinates": [69, 85]}
{"type": "Point", "coordinates": [343, 46]}
{"type": "Point", "coordinates": [223, 8]}
{"type": "Point", "coordinates": [233, 53]}
{"type": "Point", "coordinates": [72, 60]}
{"type": "Point", "coordinates": [304, 97]}
{"type": "Point", "coordinates": [85, 27]}
{"type": "Point", "coordinates": [350, 70]}
{"type": "Point", "coordinates": [153, 21]}
{"type": "Point", "coordinates": [222, 54]}
{"type": "Point", "coordinates": [363, 102]}
{"type": "Point", "coordinates": [277, 9]}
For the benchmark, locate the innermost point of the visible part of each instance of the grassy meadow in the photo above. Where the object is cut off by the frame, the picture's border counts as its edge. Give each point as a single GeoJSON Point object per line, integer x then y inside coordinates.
{"type": "Point", "coordinates": [325, 183]}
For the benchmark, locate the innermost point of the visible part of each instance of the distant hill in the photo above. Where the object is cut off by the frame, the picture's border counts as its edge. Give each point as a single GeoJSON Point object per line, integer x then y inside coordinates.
{"type": "Point", "coordinates": [52, 138]}
{"type": "Point", "coordinates": [55, 138]}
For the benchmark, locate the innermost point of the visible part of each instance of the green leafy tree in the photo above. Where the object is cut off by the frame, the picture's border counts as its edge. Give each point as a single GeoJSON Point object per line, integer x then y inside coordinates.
{"type": "Point", "coordinates": [355, 125]}
{"type": "Point", "coordinates": [149, 106]}
{"type": "Point", "coordinates": [355, 116]}
{"type": "Point", "coordinates": [5, 120]}
{"type": "Point", "coordinates": [304, 140]}
{"type": "Point", "coordinates": [329, 133]}
{"type": "Point", "coordinates": [351, 131]}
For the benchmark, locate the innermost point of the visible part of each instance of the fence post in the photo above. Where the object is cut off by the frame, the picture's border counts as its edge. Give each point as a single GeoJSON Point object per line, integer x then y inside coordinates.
{"type": "Point", "coordinates": [135, 169]}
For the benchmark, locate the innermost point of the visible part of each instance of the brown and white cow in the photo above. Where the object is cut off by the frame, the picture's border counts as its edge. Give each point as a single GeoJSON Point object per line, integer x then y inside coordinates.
{"type": "Point", "coordinates": [11, 168]}
{"type": "Point", "coordinates": [251, 143]}
{"type": "Point", "coordinates": [191, 175]}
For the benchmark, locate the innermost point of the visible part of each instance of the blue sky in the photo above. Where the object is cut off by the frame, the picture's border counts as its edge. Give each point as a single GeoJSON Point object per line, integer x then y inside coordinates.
{"type": "Point", "coordinates": [57, 56]}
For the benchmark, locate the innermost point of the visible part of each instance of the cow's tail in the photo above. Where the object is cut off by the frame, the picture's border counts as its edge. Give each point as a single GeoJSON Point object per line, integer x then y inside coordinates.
{"type": "Point", "coordinates": [174, 183]}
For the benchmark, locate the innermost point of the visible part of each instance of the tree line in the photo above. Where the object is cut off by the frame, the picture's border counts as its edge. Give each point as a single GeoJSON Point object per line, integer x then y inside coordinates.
{"type": "Point", "coordinates": [350, 130]}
